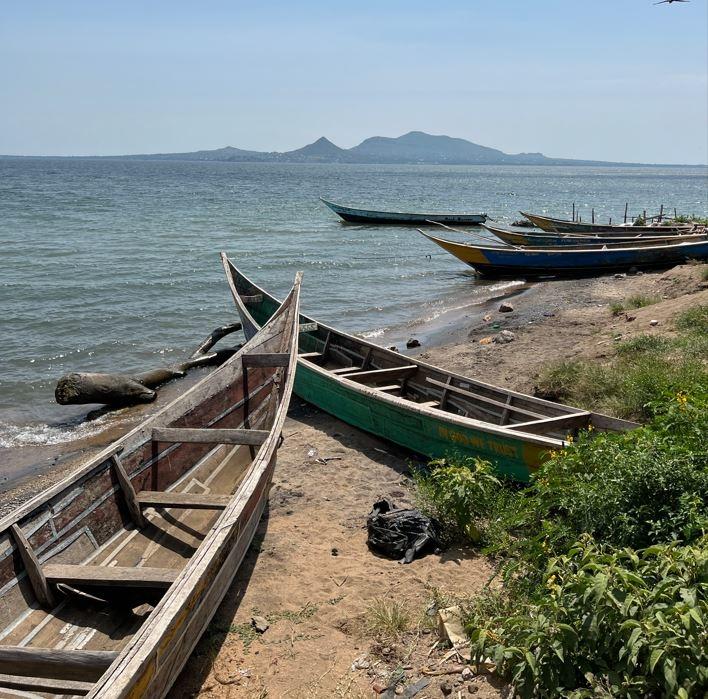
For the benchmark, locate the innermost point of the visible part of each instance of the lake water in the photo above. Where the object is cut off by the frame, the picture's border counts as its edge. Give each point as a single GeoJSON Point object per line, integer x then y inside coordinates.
{"type": "Point", "coordinates": [109, 265]}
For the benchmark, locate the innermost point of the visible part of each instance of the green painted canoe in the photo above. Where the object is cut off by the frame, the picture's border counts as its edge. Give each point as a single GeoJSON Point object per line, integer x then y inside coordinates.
{"type": "Point", "coordinates": [421, 407]}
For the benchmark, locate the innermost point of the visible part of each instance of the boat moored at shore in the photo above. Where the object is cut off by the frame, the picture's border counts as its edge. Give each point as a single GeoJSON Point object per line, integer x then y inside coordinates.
{"type": "Point", "coordinates": [423, 408]}
{"type": "Point", "coordinates": [353, 215]}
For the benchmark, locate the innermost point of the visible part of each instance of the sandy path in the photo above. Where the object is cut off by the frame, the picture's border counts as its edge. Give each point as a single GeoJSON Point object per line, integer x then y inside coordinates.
{"type": "Point", "coordinates": [315, 600]}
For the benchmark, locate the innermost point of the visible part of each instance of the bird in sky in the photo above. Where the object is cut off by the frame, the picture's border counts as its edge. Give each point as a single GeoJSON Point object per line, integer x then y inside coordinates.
{"type": "Point", "coordinates": [664, 2]}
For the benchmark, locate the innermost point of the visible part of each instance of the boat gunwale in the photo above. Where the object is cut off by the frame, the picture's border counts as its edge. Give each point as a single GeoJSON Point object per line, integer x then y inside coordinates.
{"type": "Point", "coordinates": [434, 413]}
{"type": "Point", "coordinates": [588, 238]}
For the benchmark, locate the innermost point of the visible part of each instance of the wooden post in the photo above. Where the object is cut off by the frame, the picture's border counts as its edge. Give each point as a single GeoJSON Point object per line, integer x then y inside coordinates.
{"type": "Point", "coordinates": [675, 213]}
{"type": "Point", "coordinates": [593, 215]}
{"type": "Point", "coordinates": [644, 215]}
{"type": "Point", "coordinates": [34, 570]}
{"type": "Point", "coordinates": [626, 206]}
{"type": "Point", "coordinates": [573, 211]}
{"type": "Point", "coordinates": [661, 213]}
{"type": "Point", "coordinates": [610, 223]}
{"type": "Point", "coordinates": [126, 486]}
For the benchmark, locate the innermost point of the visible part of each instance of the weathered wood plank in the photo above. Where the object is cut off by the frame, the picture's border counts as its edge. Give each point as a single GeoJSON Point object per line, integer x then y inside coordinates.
{"type": "Point", "coordinates": [255, 298]}
{"type": "Point", "coordinates": [194, 501]}
{"type": "Point", "coordinates": [128, 492]}
{"type": "Point", "coordinates": [344, 369]}
{"type": "Point", "coordinates": [48, 685]}
{"type": "Point", "coordinates": [79, 665]}
{"type": "Point", "coordinates": [109, 576]}
{"type": "Point", "coordinates": [372, 375]}
{"type": "Point", "coordinates": [575, 421]}
{"type": "Point", "coordinates": [391, 387]}
{"type": "Point", "coordinates": [209, 436]}
{"type": "Point", "coordinates": [311, 356]}
{"type": "Point", "coordinates": [37, 579]}
{"type": "Point", "coordinates": [483, 399]}
{"type": "Point", "coordinates": [266, 359]}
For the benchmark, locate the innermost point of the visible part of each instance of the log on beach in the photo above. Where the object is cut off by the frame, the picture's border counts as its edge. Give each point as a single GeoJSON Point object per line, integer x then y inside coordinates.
{"type": "Point", "coordinates": [109, 389]}
{"type": "Point", "coordinates": [122, 389]}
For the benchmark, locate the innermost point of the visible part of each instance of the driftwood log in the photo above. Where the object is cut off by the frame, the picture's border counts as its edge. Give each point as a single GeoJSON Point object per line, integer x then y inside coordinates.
{"type": "Point", "coordinates": [128, 389]}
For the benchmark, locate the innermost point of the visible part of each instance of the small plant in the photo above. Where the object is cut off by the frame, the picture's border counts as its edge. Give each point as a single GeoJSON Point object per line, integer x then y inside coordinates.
{"type": "Point", "coordinates": [456, 495]}
{"type": "Point", "coordinates": [642, 344]}
{"type": "Point", "coordinates": [616, 307]}
{"type": "Point", "coordinates": [387, 619]}
{"type": "Point", "coordinates": [641, 300]}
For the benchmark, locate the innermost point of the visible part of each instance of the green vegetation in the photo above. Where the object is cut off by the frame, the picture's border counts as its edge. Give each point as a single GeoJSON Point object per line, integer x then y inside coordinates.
{"type": "Point", "coordinates": [700, 220]}
{"type": "Point", "coordinates": [454, 494]}
{"type": "Point", "coordinates": [643, 371]}
{"type": "Point", "coordinates": [604, 556]}
{"type": "Point", "coordinates": [636, 301]}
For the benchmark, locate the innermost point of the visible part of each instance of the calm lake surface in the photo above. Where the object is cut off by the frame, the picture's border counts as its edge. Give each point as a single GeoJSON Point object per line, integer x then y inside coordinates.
{"type": "Point", "coordinates": [109, 265]}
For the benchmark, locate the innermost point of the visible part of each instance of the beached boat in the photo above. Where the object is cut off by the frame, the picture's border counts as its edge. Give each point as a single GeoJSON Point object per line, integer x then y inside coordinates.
{"type": "Point", "coordinates": [559, 225]}
{"type": "Point", "coordinates": [109, 578]}
{"type": "Point", "coordinates": [428, 410]}
{"type": "Point", "coordinates": [506, 261]}
{"type": "Point", "coordinates": [535, 238]}
{"type": "Point", "coordinates": [353, 215]}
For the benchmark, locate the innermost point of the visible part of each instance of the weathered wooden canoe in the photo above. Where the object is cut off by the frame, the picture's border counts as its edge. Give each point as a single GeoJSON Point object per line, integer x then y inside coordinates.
{"type": "Point", "coordinates": [560, 225]}
{"type": "Point", "coordinates": [109, 578]}
{"type": "Point", "coordinates": [367, 216]}
{"type": "Point", "coordinates": [531, 238]}
{"type": "Point", "coordinates": [505, 261]}
{"type": "Point", "coordinates": [423, 408]}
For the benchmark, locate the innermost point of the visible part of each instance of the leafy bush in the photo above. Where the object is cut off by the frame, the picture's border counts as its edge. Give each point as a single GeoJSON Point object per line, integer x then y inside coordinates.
{"type": "Point", "coordinates": [641, 301]}
{"type": "Point", "coordinates": [456, 495]}
{"type": "Point", "coordinates": [608, 623]}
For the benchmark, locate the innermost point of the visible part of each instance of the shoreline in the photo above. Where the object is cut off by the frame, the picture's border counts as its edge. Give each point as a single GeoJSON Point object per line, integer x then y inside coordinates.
{"type": "Point", "coordinates": [552, 319]}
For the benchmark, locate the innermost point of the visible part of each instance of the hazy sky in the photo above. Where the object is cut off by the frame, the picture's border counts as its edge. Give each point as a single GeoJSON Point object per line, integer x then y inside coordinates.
{"type": "Point", "coordinates": [602, 79]}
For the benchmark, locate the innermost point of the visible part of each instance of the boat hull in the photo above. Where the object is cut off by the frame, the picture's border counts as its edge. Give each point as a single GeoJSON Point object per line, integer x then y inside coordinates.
{"type": "Point", "coordinates": [511, 262]}
{"type": "Point", "coordinates": [352, 215]}
{"type": "Point", "coordinates": [434, 433]}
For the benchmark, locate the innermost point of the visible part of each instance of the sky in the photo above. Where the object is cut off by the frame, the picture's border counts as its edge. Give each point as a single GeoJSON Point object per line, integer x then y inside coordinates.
{"type": "Point", "coordinates": [621, 80]}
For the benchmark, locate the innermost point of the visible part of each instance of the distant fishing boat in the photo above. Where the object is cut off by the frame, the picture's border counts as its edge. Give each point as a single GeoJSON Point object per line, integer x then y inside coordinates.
{"type": "Point", "coordinates": [109, 577]}
{"type": "Point", "coordinates": [506, 261]}
{"type": "Point", "coordinates": [559, 225]}
{"type": "Point", "coordinates": [353, 215]}
{"type": "Point", "coordinates": [421, 407]}
{"type": "Point", "coordinates": [534, 238]}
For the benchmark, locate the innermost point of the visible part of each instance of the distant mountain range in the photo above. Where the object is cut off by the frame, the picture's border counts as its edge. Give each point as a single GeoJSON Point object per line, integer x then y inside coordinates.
{"type": "Point", "coordinates": [413, 147]}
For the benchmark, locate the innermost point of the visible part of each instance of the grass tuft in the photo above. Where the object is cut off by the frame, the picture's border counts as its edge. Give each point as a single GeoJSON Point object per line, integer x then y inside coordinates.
{"type": "Point", "coordinates": [387, 618]}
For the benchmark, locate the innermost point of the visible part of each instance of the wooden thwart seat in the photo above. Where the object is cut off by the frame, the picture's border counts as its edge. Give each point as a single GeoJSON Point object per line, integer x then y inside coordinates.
{"type": "Point", "coordinates": [57, 664]}
{"type": "Point", "coordinates": [391, 387]}
{"type": "Point", "coordinates": [194, 501]}
{"type": "Point", "coordinates": [430, 404]}
{"type": "Point", "coordinates": [448, 387]}
{"type": "Point", "coordinates": [209, 436]}
{"type": "Point", "coordinates": [573, 422]}
{"type": "Point", "coordinates": [160, 578]}
{"type": "Point", "coordinates": [371, 375]}
{"type": "Point", "coordinates": [311, 356]}
{"type": "Point", "coordinates": [266, 359]}
{"type": "Point", "coordinates": [344, 369]}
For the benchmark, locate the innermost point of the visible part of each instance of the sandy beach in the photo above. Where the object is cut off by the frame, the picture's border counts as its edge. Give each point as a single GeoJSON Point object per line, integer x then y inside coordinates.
{"type": "Point", "coordinates": [309, 572]}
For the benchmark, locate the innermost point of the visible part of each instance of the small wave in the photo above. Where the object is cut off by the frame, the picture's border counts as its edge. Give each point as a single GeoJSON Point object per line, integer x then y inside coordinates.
{"type": "Point", "coordinates": [41, 434]}
{"type": "Point", "coordinates": [373, 333]}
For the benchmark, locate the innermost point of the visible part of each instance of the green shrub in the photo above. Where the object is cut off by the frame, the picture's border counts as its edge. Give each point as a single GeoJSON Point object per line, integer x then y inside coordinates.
{"type": "Point", "coordinates": [457, 495]}
{"type": "Point", "coordinates": [607, 623]}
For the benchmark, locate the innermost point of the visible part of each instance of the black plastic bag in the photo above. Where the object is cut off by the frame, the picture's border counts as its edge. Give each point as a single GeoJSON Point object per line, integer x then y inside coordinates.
{"type": "Point", "coordinates": [400, 533]}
